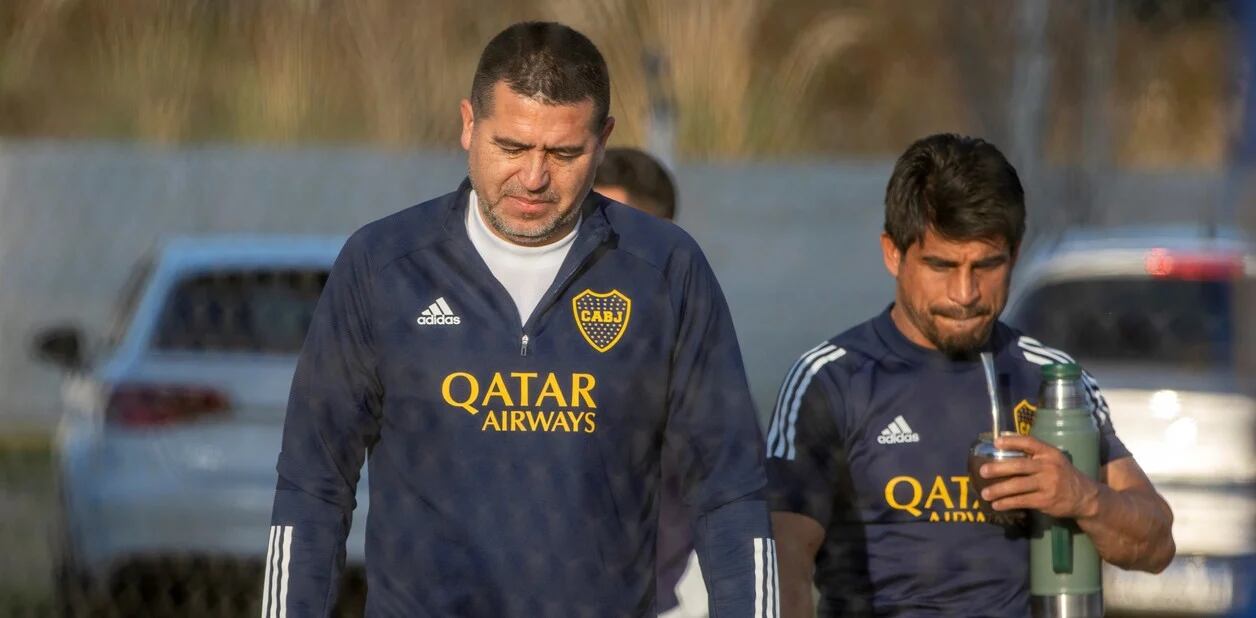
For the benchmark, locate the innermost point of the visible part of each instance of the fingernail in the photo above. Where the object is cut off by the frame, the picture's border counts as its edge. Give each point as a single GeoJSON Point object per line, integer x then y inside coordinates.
{"type": "Point", "coordinates": [984, 471]}
{"type": "Point", "coordinates": [985, 495]}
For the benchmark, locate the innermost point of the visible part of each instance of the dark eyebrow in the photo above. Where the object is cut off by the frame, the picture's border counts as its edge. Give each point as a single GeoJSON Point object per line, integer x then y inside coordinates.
{"type": "Point", "coordinates": [939, 262]}
{"type": "Point", "coordinates": [510, 144]}
{"type": "Point", "coordinates": [567, 151]}
{"type": "Point", "coordinates": [994, 260]}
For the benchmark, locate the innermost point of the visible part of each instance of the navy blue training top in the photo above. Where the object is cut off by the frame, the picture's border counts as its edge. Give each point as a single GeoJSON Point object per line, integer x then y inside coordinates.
{"type": "Point", "coordinates": [515, 468]}
{"type": "Point", "coordinates": [870, 438]}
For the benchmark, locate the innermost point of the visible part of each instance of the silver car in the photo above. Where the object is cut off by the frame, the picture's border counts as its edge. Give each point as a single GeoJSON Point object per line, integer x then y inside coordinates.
{"type": "Point", "coordinates": [1153, 314]}
{"type": "Point", "coordinates": [167, 446]}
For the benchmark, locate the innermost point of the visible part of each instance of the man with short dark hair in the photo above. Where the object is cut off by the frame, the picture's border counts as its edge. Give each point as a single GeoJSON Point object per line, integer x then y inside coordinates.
{"type": "Point", "coordinates": [512, 356]}
{"type": "Point", "coordinates": [868, 444]}
{"type": "Point", "coordinates": [633, 177]}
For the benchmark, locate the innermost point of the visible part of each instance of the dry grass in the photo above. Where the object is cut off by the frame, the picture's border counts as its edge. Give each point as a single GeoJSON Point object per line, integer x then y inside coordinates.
{"type": "Point", "coordinates": [749, 78]}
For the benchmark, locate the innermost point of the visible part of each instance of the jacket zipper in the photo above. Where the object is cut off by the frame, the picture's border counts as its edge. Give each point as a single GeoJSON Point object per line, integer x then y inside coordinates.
{"type": "Point", "coordinates": [548, 300]}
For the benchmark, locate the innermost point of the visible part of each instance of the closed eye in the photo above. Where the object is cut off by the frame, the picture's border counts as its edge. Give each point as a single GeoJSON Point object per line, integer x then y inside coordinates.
{"type": "Point", "coordinates": [991, 263]}
{"type": "Point", "coordinates": [510, 146]}
{"type": "Point", "coordinates": [938, 263]}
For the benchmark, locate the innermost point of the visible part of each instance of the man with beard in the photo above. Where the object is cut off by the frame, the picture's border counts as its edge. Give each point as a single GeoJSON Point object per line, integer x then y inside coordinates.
{"type": "Point", "coordinates": [513, 356]}
{"type": "Point", "coordinates": [867, 448]}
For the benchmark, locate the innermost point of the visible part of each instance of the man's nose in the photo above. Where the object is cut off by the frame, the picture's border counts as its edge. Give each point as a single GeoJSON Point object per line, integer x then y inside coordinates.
{"type": "Point", "coordinates": [535, 175]}
{"type": "Point", "coordinates": [963, 289]}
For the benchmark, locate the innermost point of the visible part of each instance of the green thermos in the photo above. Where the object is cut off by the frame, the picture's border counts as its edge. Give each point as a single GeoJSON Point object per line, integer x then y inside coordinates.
{"type": "Point", "coordinates": [1064, 569]}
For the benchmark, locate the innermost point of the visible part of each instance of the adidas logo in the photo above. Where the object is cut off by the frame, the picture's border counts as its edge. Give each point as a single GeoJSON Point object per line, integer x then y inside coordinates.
{"type": "Point", "coordinates": [898, 432]}
{"type": "Point", "coordinates": [438, 314]}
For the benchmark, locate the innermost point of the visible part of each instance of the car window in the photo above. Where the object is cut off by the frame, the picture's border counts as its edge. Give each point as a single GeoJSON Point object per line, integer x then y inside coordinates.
{"type": "Point", "coordinates": [1183, 323]}
{"type": "Point", "coordinates": [251, 311]}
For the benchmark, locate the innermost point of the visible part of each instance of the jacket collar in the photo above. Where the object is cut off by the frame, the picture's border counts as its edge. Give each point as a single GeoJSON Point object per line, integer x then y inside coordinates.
{"type": "Point", "coordinates": [594, 223]}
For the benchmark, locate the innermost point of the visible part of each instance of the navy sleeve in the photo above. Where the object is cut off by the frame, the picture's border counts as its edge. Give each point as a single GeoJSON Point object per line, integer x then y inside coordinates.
{"type": "Point", "coordinates": [1110, 446]}
{"type": "Point", "coordinates": [804, 445]}
{"type": "Point", "coordinates": [675, 536]}
{"type": "Point", "coordinates": [721, 465]}
{"type": "Point", "coordinates": [332, 418]}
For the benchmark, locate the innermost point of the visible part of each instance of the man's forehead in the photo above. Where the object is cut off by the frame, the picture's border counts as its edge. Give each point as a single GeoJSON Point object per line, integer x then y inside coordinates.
{"type": "Point", "coordinates": [537, 115]}
{"type": "Point", "coordinates": [933, 244]}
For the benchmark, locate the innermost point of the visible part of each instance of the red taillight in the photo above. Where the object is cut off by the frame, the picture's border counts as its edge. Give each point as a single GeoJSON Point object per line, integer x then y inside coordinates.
{"type": "Point", "coordinates": [1194, 266]}
{"type": "Point", "coordinates": [141, 405]}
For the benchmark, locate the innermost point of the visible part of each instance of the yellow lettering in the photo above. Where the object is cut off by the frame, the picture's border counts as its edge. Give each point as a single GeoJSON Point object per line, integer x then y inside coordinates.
{"type": "Point", "coordinates": [581, 390]}
{"type": "Point", "coordinates": [962, 481]}
{"type": "Point", "coordinates": [911, 505]}
{"type": "Point", "coordinates": [933, 516]}
{"type": "Point", "coordinates": [490, 420]}
{"type": "Point", "coordinates": [981, 517]}
{"type": "Point", "coordinates": [938, 492]}
{"type": "Point", "coordinates": [560, 420]}
{"type": "Point", "coordinates": [497, 388]}
{"type": "Point", "coordinates": [575, 420]}
{"type": "Point", "coordinates": [473, 387]}
{"type": "Point", "coordinates": [553, 391]}
{"type": "Point", "coordinates": [516, 420]}
{"type": "Point", "coordinates": [523, 378]}
{"type": "Point", "coordinates": [590, 424]}
{"type": "Point", "coordinates": [540, 419]}
{"type": "Point", "coordinates": [584, 315]}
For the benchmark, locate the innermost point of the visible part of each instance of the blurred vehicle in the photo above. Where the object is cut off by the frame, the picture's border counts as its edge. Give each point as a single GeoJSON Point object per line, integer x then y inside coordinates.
{"type": "Point", "coordinates": [1151, 313]}
{"type": "Point", "coordinates": [166, 450]}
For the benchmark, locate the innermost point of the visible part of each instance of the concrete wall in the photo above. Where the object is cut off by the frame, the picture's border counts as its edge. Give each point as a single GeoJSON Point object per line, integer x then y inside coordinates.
{"type": "Point", "coordinates": [794, 244]}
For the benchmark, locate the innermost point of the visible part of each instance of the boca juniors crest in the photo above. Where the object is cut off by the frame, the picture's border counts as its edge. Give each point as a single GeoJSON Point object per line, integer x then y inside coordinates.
{"type": "Point", "coordinates": [1024, 414]}
{"type": "Point", "coordinates": [601, 318]}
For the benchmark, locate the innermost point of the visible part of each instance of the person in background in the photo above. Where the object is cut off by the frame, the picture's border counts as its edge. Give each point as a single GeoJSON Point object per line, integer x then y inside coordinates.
{"type": "Point", "coordinates": [633, 177]}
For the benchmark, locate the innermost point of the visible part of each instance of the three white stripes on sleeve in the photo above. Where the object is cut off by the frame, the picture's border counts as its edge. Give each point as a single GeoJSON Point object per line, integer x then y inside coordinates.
{"type": "Point", "coordinates": [279, 553]}
{"type": "Point", "coordinates": [767, 589]}
{"type": "Point", "coordinates": [275, 590]}
{"type": "Point", "coordinates": [784, 429]}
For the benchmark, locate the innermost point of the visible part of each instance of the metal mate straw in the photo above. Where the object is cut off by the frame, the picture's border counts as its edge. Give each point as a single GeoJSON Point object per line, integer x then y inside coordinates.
{"type": "Point", "coordinates": [987, 363]}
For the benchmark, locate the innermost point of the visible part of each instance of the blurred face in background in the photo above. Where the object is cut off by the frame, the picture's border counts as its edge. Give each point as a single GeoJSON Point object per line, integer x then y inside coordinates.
{"type": "Point", "coordinates": [532, 163]}
{"type": "Point", "coordinates": [949, 293]}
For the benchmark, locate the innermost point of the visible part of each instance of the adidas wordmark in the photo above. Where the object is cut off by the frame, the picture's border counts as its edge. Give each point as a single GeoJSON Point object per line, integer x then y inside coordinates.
{"type": "Point", "coordinates": [439, 314]}
{"type": "Point", "coordinates": [898, 432]}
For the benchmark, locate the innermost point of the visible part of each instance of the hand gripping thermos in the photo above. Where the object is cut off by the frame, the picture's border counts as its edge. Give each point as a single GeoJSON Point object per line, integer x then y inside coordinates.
{"type": "Point", "coordinates": [1065, 576]}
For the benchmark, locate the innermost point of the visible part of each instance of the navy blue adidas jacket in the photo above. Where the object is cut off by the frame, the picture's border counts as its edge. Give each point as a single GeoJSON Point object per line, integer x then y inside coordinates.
{"type": "Point", "coordinates": [514, 468]}
{"type": "Point", "coordinates": [870, 438]}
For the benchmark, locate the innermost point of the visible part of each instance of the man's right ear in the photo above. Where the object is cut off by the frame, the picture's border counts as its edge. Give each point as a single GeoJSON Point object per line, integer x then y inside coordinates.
{"type": "Point", "coordinates": [891, 254]}
{"type": "Point", "coordinates": [468, 122]}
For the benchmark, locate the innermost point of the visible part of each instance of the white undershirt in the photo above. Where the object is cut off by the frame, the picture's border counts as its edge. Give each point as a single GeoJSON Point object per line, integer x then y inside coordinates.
{"type": "Point", "coordinates": [526, 272]}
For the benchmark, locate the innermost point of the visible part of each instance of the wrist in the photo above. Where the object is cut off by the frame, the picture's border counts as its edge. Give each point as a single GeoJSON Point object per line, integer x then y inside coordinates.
{"type": "Point", "coordinates": [1093, 494]}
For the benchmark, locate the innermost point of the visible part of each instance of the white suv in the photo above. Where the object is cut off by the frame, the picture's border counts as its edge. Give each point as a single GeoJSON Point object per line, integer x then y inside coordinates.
{"type": "Point", "coordinates": [167, 446]}
{"type": "Point", "coordinates": [1153, 314]}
